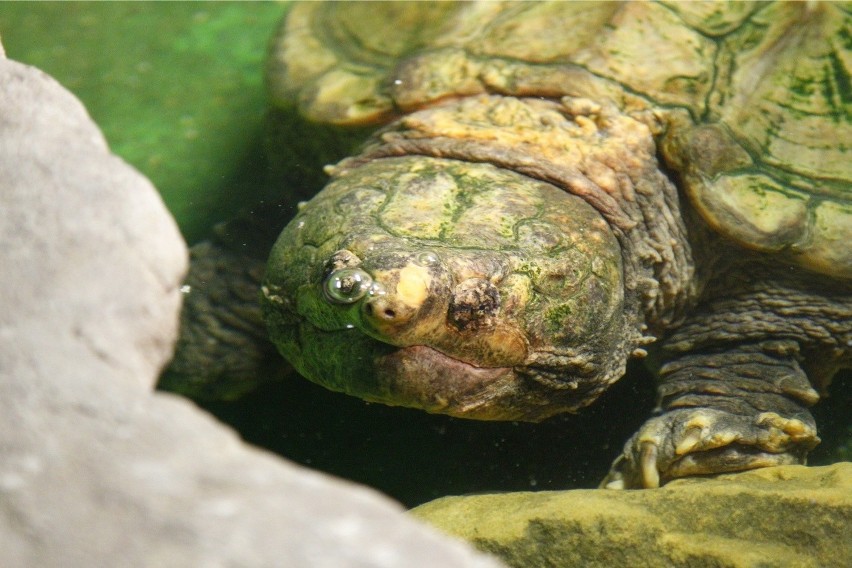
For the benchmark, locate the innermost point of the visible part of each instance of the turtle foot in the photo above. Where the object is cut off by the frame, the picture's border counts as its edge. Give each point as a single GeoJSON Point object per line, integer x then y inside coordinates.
{"type": "Point", "coordinates": [702, 441]}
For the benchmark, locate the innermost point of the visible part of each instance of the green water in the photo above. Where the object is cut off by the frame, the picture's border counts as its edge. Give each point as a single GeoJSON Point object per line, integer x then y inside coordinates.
{"type": "Point", "coordinates": [177, 89]}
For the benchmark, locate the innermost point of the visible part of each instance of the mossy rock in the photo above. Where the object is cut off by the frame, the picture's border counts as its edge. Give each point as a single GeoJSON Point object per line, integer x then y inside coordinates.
{"type": "Point", "coordinates": [779, 516]}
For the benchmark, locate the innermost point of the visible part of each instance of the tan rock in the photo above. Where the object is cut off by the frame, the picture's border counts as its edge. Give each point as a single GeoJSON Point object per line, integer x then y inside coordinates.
{"type": "Point", "coordinates": [780, 516]}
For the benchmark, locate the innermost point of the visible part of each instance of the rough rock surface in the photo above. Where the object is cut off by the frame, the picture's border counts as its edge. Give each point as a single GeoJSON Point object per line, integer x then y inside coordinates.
{"type": "Point", "coordinates": [780, 516]}
{"type": "Point", "coordinates": [95, 469]}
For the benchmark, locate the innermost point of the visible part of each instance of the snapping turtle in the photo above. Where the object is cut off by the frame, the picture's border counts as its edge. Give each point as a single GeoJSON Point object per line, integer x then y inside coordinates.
{"type": "Point", "coordinates": [557, 186]}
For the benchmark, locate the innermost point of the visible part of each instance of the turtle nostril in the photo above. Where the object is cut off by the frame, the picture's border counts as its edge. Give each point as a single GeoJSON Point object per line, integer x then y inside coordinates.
{"type": "Point", "coordinates": [383, 311]}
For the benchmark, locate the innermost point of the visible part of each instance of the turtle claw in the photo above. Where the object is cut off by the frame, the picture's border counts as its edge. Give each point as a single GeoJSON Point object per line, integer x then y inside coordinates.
{"type": "Point", "coordinates": [702, 441]}
{"type": "Point", "coordinates": [650, 475]}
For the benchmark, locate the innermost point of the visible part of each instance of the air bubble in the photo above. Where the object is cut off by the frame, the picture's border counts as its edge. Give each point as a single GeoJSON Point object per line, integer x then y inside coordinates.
{"type": "Point", "coordinates": [426, 258]}
{"type": "Point", "coordinates": [377, 289]}
{"type": "Point", "coordinates": [347, 285]}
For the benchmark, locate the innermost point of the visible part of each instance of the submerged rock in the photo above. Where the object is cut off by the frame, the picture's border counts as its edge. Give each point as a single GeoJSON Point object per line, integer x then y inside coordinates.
{"type": "Point", "coordinates": [96, 469]}
{"type": "Point", "coordinates": [779, 516]}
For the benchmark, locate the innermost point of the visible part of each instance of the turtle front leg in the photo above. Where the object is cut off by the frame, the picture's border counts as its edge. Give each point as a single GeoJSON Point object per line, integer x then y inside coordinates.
{"type": "Point", "coordinates": [223, 350]}
{"type": "Point", "coordinates": [733, 409]}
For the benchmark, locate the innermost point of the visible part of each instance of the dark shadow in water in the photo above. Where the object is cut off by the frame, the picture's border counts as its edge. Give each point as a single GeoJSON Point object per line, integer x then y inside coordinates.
{"type": "Point", "coordinates": [833, 415]}
{"type": "Point", "coordinates": [415, 457]}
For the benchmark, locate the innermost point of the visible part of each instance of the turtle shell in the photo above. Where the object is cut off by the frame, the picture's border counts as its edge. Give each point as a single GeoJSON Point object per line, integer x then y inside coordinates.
{"type": "Point", "coordinates": [750, 101]}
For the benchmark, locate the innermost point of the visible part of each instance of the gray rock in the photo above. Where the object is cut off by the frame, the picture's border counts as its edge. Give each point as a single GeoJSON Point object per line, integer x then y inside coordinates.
{"type": "Point", "coordinates": [777, 516]}
{"type": "Point", "coordinates": [95, 468]}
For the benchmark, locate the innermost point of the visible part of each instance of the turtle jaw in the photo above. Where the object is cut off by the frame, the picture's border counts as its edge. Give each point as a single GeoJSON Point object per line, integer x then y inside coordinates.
{"type": "Point", "coordinates": [416, 376]}
{"type": "Point", "coordinates": [423, 377]}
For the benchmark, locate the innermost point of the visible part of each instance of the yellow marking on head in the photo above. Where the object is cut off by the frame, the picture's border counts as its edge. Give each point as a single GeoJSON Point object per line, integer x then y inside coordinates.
{"type": "Point", "coordinates": [413, 286]}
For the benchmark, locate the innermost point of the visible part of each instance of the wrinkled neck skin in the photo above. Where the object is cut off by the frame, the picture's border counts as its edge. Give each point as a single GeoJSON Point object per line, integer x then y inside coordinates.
{"type": "Point", "coordinates": [590, 150]}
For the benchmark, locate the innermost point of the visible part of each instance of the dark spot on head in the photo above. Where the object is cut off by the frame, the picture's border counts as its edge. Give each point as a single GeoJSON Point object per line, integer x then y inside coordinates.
{"type": "Point", "coordinates": [474, 304]}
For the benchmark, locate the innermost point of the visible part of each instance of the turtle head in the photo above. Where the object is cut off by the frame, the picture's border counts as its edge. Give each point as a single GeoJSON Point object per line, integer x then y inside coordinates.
{"type": "Point", "coordinates": [456, 288]}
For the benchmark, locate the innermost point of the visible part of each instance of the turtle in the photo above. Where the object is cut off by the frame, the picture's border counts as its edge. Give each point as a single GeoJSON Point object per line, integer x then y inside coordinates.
{"type": "Point", "coordinates": [554, 188]}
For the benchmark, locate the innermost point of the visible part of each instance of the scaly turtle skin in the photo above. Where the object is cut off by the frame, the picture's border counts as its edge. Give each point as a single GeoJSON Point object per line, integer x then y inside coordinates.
{"type": "Point", "coordinates": [557, 186]}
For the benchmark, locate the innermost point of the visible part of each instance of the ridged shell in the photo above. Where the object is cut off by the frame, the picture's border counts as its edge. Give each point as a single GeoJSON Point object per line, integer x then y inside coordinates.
{"type": "Point", "coordinates": [754, 99]}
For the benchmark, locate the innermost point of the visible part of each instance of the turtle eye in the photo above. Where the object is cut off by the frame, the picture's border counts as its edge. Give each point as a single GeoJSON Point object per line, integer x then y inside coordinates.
{"type": "Point", "coordinates": [347, 285]}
